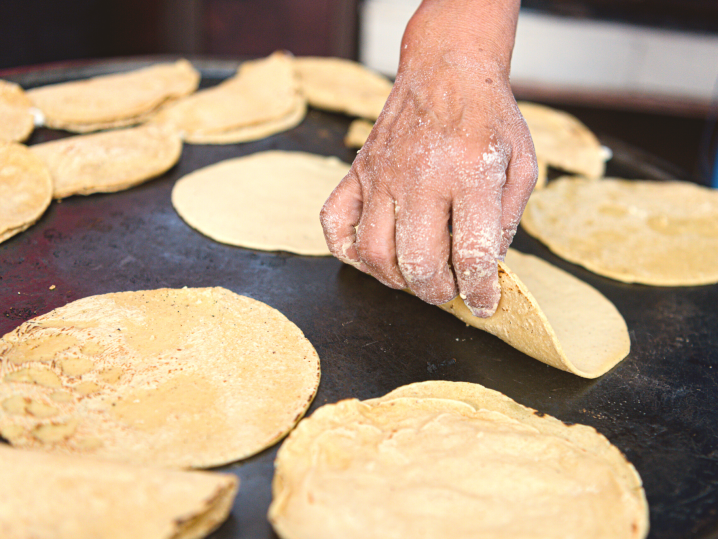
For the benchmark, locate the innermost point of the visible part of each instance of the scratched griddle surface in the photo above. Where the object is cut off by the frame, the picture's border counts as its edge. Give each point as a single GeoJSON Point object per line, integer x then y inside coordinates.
{"type": "Point", "coordinates": [659, 406]}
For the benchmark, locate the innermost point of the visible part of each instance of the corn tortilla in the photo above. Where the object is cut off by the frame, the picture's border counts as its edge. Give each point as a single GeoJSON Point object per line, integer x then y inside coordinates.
{"type": "Point", "coordinates": [455, 461]}
{"type": "Point", "coordinates": [178, 378]}
{"type": "Point", "coordinates": [267, 200]}
{"type": "Point", "coordinates": [110, 161]}
{"type": "Point", "coordinates": [340, 85]}
{"type": "Point", "coordinates": [562, 141]}
{"type": "Point", "coordinates": [62, 497]}
{"type": "Point", "coordinates": [16, 119]}
{"type": "Point", "coordinates": [117, 100]}
{"type": "Point", "coordinates": [654, 233]}
{"type": "Point", "coordinates": [25, 189]}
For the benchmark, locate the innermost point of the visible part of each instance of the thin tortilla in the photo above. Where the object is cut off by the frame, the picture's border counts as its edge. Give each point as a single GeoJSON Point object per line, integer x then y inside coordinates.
{"type": "Point", "coordinates": [263, 91]}
{"type": "Point", "coordinates": [16, 119]}
{"type": "Point", "coordinates": [562, 322]}
{"type": "Point", "coordinates": [25, 189]}
{"type": "Point", "coordinates": [184, 378]}
{"type": "Point", "coordinates": [358, 132]}
{"type": "Point", "coordinates": [562, 141]}
{"type": "Point", "coordinates": [62, 497]}
{"type": "Point", "coordinates": [340, 85]}
{"type": "Point", "coordinates": [267, 200]}
{"type": "Point", "coordinates": [110, 161]}
{"type": "Point", "coordinates": [118, 98]}
{"type": "Point", "coordinates": [654, 233]}
{"type": "Point", "coordinates": [420, 466]}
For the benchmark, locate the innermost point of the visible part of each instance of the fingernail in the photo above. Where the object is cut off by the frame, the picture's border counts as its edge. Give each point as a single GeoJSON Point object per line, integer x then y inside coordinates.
{"type": "Point", "coordinates": [482, 312]}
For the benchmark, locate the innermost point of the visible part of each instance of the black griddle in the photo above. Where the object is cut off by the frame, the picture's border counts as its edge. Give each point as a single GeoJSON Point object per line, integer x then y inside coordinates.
{"type": "Point", "coordinates": [659, 405]}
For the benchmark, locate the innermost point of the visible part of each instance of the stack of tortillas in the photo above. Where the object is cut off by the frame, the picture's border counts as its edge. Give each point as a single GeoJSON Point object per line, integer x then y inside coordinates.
{"type": "Point", "coordinates": [60, 497]}
{"type": "Point", "coordinates": [443, 459]}
{"type": "Point", "coordinates": [552, 316]}
{"type": "Point", "coordinates": [183, 378]}
{"type": "Point", "coordinates": [109, 161]}
{"type": "Point", "coordinates": [16, 118]}
{"type": "Point", "coordinates": [262, 99]}
{"type": "Point", "coordinates": [656, 233]}
{"type": "Point", "coordinates": [116, 100]}
{"type": "Point", "coordinates": [267, 200]}
{"type": "Point", "coordinates": [25, 189]}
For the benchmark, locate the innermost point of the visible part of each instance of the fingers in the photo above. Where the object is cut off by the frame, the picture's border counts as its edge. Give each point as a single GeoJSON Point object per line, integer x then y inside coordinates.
{"type": "Point", "coordinates": [477, 239]}
{"type": "Point", "coordinates": [424, 245]}
{"type": "Point", "coordinates": [521, 176]}
{"type": "Point", "coordinates": [375, 235]}
{"type": "Point", "coordinates": [339, 217]}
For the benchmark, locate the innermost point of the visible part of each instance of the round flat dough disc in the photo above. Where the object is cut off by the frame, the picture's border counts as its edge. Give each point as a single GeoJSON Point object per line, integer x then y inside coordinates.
{"type": "Point", "coordinates": [178, 378]}
{"type": "Point", "coordinates": [110, 161]}
{"type": "Point", "coordinates": [25, 189]}
{"type": "Point", "coordinates": [406, 466]}
{"type": "Point", "coordinates": [341, 85]}
{"type": "Point", "coordinates": [655, 233]}
{"type": "Point", "coordinates": [113, 98]}
{"type": "Point", "coordinates": [562, 141]}
{"type": "Point", "coordinates": [16, 120]}
{"type": "Point", "coordinates": [268, 200]}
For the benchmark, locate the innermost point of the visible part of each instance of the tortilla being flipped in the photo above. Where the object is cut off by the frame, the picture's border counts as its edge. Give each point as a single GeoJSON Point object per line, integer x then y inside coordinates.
{"type": "Point", "coordinates": [184, 378]}
{"type": "Point", "coordinates": [562, 141]}
{"type": "Point", "coordinates": [635, 231]}
{"type": "Point", "coordinates": [340, 85]}
{"type": "Point", "coordinates": [63, 497]}
{"type": "Point", "coordinates": [267, 200]}
{"type": "Point", "coordinates": [16, 119]}
{"type": "Point", "coordinates": [110, 161]}
{"type": "Point", "coordinates": [25, 189]}
{"type": "Point", "coordinates": [115, 100]}
{"type": "Point", "coordinates": [262, 99]}
{"type": "Point", "coordinates": [443, 459]}
{"type": "Point", "coordinates": [562, 321]}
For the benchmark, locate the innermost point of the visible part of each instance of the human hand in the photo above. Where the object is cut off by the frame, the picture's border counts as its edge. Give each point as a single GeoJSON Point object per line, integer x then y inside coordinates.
{"type": "Point", "coordinates": [449, 149]}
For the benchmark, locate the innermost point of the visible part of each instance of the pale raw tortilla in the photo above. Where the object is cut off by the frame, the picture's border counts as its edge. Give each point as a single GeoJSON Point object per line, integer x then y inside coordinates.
{"type": "Point", "coordinates": [63, 497]}
{"type": "Point", "coordinates": [562, 321]}
{"type": "Point", "coordinates": [110, 161]}
{"type": "Point", "coordinates": [263, 91]}
{"type": "Point", "coordinates": [117, 100]}
{"type": "Point", "coordinates": [542, 174]}
{"type": "Point", "coordinates": [341, 85]}
{"type": "Point", "coordinates": [25, 189]}
{"type": "Point", "coordinates": [269, 200]}
{"type": "Point", "coordinates": [16, 119]}
{"type": "Point", "coordinates": [178, 378]}
{"type": "Point", "coordinates": [441, 467]}
{"type": "Point", "coordinates": [253, 132]}
{"type": "Point", "coordinates": [655, 233]}
{"type": "Point", "coordinates": [562, 141]}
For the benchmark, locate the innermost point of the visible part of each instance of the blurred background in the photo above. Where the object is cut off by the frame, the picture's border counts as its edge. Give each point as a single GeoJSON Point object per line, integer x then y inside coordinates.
{"type": "Point", "coordinates": [644, 71]}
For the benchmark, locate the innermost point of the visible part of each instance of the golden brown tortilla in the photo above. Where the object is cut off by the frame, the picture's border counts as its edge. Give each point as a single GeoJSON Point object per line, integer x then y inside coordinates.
{"type": "Point", "coordinates": [182, 378]}
{"type": "Point", "coordinates": [264, 92]}
{"type": "Point", "coordinates": [119, 99]}
{"type": "Point", "coordinates": [16, 119]}
{"type": "Point", "coordinates": [25, 189]}
{"type": "Point", "coordinates": [110, 161]}
{"type": "Point", "coordinates": [562, 141]}
{"type": "Point", "coordinates": [62, 497]}
{"type": "Point", "coordinates": [341, 85]}
{"type": "Point", "coordinates": [552, 316]}
{"type": "Point", "coordinates": [655, 233]}
{"type": "Point", "coordinates": [457, 460]}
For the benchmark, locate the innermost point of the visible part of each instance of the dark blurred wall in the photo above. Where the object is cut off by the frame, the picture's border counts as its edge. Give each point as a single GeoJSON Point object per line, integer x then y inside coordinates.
{"type": "Point", "coordinates": [41, 31]}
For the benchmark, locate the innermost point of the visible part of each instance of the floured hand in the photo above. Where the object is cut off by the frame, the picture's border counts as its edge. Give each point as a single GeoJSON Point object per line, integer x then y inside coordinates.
{"type": "Point", "coordinates": [450, 153]}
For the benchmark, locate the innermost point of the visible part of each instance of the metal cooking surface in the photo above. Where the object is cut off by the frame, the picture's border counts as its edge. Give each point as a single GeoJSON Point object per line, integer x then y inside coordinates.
{"type": "Point", "coordinates": [658, 406]}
